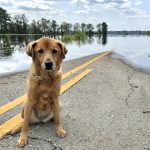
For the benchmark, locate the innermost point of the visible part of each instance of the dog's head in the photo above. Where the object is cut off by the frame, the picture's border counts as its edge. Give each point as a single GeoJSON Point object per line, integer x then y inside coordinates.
{"type": "Point", "coordinates": [47, 52]}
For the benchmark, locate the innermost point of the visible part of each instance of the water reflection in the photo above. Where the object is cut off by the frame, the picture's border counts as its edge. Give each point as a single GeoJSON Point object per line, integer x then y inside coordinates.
{"type": "Point", "coordinates": [104, 39]}
{"type": "Point", "coordinates": [10, 43]}
{"type": "Point", "coordinates": [134, 49]}
{"type": "Point", "coordinates": [6, 49]}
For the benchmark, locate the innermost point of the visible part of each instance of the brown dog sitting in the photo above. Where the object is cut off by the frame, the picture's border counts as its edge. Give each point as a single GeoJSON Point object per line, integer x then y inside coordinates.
{"type": "Point", "coordinates": [43, 86]}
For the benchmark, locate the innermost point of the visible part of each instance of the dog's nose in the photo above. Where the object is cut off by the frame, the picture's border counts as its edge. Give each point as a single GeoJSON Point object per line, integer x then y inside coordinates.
{"type": "Point", "coordinates": [49, 65]}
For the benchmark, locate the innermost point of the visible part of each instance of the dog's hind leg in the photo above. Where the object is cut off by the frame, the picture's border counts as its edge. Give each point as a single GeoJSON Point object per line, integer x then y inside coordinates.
{"type": "Point", "coordinates": [33, 120]}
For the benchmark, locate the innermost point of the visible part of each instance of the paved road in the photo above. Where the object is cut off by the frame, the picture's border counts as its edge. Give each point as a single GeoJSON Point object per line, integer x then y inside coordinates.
{"type": "Point", "coordinates": [104, 111]}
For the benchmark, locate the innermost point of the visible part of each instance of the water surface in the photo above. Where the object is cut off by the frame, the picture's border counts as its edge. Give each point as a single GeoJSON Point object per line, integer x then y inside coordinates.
{"type": "Point", "coordinates": [132, 49]}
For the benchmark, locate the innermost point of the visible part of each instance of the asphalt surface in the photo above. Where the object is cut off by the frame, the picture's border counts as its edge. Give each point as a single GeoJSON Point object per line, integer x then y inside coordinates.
{"type": "Point", "coordinates": [104, 111]}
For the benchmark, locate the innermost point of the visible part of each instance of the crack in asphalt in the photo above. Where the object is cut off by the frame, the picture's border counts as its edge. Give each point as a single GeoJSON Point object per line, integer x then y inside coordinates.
{"type": "Point", "coordinates": [55, 147]}
{"type": "Point", "coordinates": [146, 112]}
{"type": "Point", "coordinates": [131, 90]}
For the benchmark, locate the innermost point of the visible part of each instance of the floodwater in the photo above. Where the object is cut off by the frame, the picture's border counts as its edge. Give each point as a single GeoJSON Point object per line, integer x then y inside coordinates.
{"type": "Point", "coordinates": [134, 50]}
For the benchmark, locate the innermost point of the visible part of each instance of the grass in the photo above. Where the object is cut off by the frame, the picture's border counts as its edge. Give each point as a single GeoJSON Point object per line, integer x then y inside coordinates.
{"type": "Point", "coordinates": [77, 36]}
{"type": "Point", "coordinates": [147, 32]}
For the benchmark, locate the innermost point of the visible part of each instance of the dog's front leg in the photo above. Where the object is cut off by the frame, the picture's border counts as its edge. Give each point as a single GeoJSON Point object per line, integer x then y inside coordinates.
{"type": "Point", "coordinates": [25, 126]}
{"type": "Point", "coordinates": [59, 130]}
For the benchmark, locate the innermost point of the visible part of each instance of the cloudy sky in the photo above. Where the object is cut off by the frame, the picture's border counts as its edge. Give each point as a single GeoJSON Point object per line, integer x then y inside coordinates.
{"type": "Point", "coordinates": [119, 14]}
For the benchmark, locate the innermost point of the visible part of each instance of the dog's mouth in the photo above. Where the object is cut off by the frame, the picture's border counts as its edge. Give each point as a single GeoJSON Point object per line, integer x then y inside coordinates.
{"type": "Point", "coordinates": [49, 69]}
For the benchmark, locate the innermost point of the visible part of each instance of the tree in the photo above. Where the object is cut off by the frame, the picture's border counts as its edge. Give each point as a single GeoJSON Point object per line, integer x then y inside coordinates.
{"type": "Point", "coordinates": [68, 27]}
{"type": "Point", "coordinates": [24, 23]}
{"type": "Point", "coordinates": [4, 21]}
{"type": "Point", "coordinates": [54, 26]}
{"type": "Point", "coordinates": [12, 27]}
{"type": "Point", "coordinates": [49, 27]}
{"type": "Point", "coordinates": [43, 24]}
{"type": "Point", "coordinates": [20, 23]}
{"type": "Point", "coordinates": [76, 27]}
{"type": "Point", "coordinates": [39, 27]}
{"type": "Point", "coordinates": [90, 28]}
{"type": "Point", "coordinates": [62, 28]}
{"type": "Point", "coordinates": [34, 29]}
{"type": "Point", "coordinates": [99, 28]}
{"type": "Point", "coordinates": [65, 27]}
{"type": "Point", "coordinates": [104, 28]}
{"type": "Point", "coordinates": [83, 27]}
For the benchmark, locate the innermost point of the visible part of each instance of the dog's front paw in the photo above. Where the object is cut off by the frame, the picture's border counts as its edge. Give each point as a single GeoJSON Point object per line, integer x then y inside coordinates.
{"type": "Point", "coordinates": [22, 142]}
{"type": "Point", "coordinates": [61, 133]}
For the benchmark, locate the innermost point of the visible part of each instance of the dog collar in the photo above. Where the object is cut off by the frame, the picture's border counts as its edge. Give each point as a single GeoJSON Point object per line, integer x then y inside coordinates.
{"type": "Point", "coordinates": [39, 78]}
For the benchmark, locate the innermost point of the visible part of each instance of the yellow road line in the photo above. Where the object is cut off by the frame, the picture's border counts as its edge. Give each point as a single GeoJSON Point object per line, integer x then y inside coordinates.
{"type": "Point", "coordinates": [16, 121]}
{"type": "Point", "coordinates": [12, 104]}
{"type": "Point", "coordinates": [70, 83]}
{"type": "Point", "coordinates": [20, 100]}
{"type": "Point", "coordinates": [9, 125]}
{"type": "Point", "coordinates": [85, 64]}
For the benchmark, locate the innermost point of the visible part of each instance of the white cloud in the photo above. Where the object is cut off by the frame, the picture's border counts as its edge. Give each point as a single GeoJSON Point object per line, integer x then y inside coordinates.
{"type": "Point", "coordinates": [123, 24]}
{"type": "Point", "coordinates": [100, 1]}
{"type": "Point", "coordinates": [92, 18]}
{"type": "Point", "coordinates": [72, 10]}
{"type": "Point", "coordinates": [79, 2]}
{"type": "Point", "coordinates": [138, 3]}
{"type": "Point", "coordinates": [76, 17]}
{"type": "Point", "coordinates": [16, 12]}
{"type": "Point", "coordinates": [81, 12]}
{"type": "Point", "coordinates": [6, 2]}
{"type": "Point", "coordinates": [34, 5]}
{"type": "Point", "coordinates": [139, 14]}
{"type": "Point", "coordinates": [57, 12]}
{"type": "Point", "coordinates": [125, 7]}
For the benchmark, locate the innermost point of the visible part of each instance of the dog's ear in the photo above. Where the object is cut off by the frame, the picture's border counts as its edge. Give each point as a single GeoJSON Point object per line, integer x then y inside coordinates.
{"type": "Point", "coordinates": [30, 49]}
{"type": "Point", "coordinates": [63, 50]}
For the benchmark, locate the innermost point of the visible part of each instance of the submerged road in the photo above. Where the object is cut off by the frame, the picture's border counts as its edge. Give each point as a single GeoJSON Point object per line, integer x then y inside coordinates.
{"type": "Point", "coordinates": [103, 111]}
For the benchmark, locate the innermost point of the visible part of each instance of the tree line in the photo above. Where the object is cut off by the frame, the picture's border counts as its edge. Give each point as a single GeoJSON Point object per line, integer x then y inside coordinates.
{"type": "Point", "coordinates": [19, 24]}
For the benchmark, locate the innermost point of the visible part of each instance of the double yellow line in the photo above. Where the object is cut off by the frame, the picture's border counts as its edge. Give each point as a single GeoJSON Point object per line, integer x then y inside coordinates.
{"type": "Point", "coordinates": [16, 121]}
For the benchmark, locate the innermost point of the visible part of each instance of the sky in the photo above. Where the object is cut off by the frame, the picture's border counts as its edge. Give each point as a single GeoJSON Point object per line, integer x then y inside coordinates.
{"type": "Point", "coordinates": [118, 14]}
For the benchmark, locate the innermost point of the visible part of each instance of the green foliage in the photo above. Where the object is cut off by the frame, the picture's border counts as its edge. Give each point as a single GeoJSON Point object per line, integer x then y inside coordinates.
{"type": "Point", "coordinates": [4, 21]}
{"type": "Point", "coordinates": [19, 25]}
{"type": "Point", "coordinates": [147, 32]}
{"type": "Point", "coordinates": [67, 38]}
{"type": "Point", "coordinates": [90, 28]}
{"type": "Point", "coordinates": [125, 32]}
{"type": "Point", "coordinates": [83, 27]}
{"type": "Point", "coordinates": [104, 28]}
{"type": "Point", "coordinates": [99, 28]}
{"type": "Point", "coordinates": [77, 36]}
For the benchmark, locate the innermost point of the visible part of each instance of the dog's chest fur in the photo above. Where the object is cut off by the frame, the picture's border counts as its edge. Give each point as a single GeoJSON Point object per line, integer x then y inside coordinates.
{"type": "Point", "coordinates": [46, 94]}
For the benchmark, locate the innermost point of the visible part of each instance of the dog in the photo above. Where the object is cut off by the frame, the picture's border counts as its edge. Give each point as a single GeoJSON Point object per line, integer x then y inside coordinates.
{"type": "Point", "coordinates": [44, 85]}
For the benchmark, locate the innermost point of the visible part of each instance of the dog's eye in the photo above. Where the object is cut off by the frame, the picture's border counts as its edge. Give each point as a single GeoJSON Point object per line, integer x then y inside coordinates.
{"type": "Point", "coordinates": [40, 51]}
{"type": "Point", "coordinates": [54, 51]}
